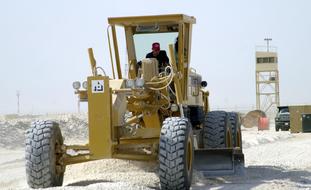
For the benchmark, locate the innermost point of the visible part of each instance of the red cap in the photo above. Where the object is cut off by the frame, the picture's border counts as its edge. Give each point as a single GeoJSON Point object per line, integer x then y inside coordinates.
{"type": "Point", "coordinates": [156, 46]}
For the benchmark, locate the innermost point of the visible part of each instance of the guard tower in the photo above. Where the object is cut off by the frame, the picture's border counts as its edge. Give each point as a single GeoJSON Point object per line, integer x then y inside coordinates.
{"type": "Point", "coordinates": [267, 79]}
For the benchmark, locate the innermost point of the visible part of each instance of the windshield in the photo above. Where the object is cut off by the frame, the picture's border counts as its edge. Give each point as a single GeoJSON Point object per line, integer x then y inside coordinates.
{"type": "Point", "coordinates": [284, 110]}
{"type": "Point", "coordinates": [143, 42]}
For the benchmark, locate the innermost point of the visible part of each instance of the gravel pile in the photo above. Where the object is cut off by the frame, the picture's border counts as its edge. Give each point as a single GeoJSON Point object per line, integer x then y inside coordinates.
{"type": "Point", "coordinates": [140, 175]}
{"type": "Point", "coordinates": [12, 133]}
{"type": "Point", "coordinates": [12, 130]}
{"type": "Point", "coordinates": [252, 137]}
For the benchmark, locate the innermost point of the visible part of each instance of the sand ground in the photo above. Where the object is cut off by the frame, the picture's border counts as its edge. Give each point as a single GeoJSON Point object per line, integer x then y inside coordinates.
{"type": "Point", "coordinates": [273, 160]}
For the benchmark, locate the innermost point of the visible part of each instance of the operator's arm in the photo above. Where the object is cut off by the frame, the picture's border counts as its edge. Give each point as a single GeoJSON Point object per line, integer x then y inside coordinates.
{"type": "Point", "coordinates": [165, 58]}
{"type": "Point", "coordinates": [149, 55]}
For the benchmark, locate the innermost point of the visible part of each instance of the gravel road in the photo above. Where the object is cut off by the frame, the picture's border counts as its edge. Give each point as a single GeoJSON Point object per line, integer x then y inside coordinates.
{"type": "Point", "coordinates": [282, 164]}
{"type": "Point", "coordinates": [274, 160]}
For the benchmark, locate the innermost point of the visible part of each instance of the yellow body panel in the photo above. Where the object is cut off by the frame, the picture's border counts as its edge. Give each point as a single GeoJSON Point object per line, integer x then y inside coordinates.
{"type": "Point", "coordinates": [161, 19]}
{"type": "Point", "coordinates": [205, 101]}
{"type": "Point", "coordinates": [118, 102]}
{"type": "Point", "coordinates": [151, 119]}
{"type": "Point", "coordinates": [177, 77]}
{"type": "Point", "coordinates": [99, 113]}
{"type": "Point", "coordinates": [195, 95]}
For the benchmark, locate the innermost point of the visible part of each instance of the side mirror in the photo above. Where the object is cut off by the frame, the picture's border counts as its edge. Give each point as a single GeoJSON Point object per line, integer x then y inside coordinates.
{"type": "Point", "coordinates": [203, 84]}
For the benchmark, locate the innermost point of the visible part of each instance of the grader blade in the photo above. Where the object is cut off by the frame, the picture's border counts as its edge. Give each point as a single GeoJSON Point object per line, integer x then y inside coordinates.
{"type": "Point", "coordinates": [219, 162]}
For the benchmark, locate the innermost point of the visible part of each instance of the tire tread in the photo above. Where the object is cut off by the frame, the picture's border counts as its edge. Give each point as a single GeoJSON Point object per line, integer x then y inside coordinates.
{"type": "Point", "coordinates": [37, 150]}
{"type": "Point", "coordinates": [173, 136]}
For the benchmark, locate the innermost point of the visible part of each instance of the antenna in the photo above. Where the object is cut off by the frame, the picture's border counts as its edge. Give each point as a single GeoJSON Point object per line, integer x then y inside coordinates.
{"type": "Point", "coordinates": [268, 40]}
{"type": "Point", "coordinates": [18, 95]}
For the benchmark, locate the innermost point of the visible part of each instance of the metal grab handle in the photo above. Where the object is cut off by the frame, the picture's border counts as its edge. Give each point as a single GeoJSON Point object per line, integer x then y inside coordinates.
{"type": "Point", "coordinates": [92, 61]}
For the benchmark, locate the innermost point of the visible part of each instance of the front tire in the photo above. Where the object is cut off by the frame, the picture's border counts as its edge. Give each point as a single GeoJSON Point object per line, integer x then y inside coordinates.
{"type": "Point", "coordinates": [43, 140]}
{"type": "Point", "coordinates": [176, 154]}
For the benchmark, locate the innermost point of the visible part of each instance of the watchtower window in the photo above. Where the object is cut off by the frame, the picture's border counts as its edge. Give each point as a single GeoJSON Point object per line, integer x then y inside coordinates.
{"type": "Point", "coordinates": [267, 60]}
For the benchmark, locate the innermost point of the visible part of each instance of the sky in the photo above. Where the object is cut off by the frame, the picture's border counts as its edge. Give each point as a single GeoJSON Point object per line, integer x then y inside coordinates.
{"type": "Point", "coordinates": [43, 47]}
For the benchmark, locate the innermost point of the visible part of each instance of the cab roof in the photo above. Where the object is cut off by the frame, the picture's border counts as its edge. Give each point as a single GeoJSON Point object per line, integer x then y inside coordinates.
{"type": "Point", "coordinates": [152, 19]}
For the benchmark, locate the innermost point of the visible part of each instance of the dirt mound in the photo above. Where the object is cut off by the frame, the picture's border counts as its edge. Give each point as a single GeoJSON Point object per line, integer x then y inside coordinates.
{"type": "Point", "coordinates": [12, 131]}
{"type": "Point", "coordinates": [251, 118]}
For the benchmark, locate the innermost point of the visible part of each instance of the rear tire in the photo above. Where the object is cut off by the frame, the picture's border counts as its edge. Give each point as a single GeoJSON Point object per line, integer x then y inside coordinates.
{"type": "Point", "coordinates": [196, 115]}
{"type": "Point", "coordinates": [42, 156]}
{"type": "Point", "coordinates": [217, 130]}
{"type": "Point", "coordinates": [235, 128]}
{"type": "Point", "coordinates": [176, 154]}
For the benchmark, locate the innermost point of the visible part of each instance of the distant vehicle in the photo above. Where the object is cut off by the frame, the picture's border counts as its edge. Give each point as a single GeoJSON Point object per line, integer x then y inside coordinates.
{"type": "Point", "coordinates": [282, 119]}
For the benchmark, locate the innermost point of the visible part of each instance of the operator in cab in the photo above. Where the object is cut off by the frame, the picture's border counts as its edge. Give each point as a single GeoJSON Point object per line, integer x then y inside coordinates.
{"type": "Point", "coordinates": [160, 55]}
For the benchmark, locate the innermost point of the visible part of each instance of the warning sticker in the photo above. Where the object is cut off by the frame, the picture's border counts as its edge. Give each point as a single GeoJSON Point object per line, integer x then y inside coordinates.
{"type": "Point", "coordinates": [97, 86]}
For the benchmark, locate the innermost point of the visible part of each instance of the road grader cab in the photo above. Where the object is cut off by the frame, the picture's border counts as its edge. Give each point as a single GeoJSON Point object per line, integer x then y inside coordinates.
{"type": "Point", "coordinates": [153, 113]}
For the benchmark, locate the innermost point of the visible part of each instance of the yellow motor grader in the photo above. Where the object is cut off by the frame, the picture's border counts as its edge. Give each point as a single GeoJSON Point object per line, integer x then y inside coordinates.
{"type": "Point", "coordinates": [156, 112]}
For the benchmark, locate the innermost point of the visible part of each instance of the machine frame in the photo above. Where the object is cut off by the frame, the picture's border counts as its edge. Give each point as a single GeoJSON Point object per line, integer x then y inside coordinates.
{"type": "Point", "coordinates": [139, 121]}
{"type": "Point", "coordinates": [104, 140]}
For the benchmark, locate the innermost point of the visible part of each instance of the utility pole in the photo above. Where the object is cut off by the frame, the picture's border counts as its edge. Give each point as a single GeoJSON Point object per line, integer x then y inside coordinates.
{"type": "Point", "coordinates": [268, 40]}
{"type": "Point", "coordinates": [18, 95]}
{"type": "Point", "coordinates": [78, 106]}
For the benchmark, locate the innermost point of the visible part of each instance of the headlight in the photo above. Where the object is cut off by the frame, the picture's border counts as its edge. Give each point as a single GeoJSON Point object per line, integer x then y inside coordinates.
{"type": "Point", "coordinates": [139, 82]}
{"type": "Point", "coordinates": [174, 107]}
{"type": "Point", "coordinates": [76, 85]}
{"type": "Point", "coordinates": [84, 85]}
{"type": "Point", "coordinates": [130, 83]}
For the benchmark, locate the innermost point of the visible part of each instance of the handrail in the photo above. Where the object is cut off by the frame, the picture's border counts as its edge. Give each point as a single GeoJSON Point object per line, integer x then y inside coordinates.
{"type": "Point", "coordinates": [110, 52]}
